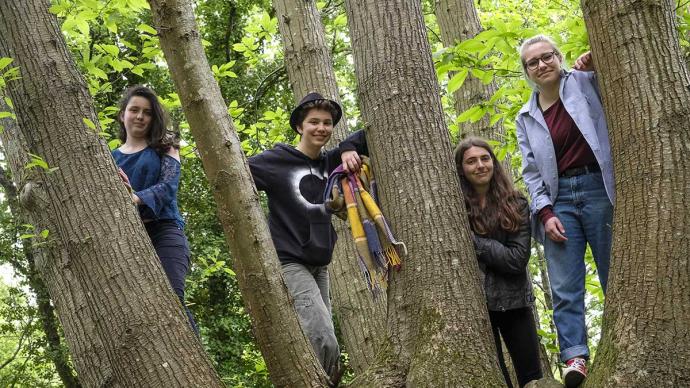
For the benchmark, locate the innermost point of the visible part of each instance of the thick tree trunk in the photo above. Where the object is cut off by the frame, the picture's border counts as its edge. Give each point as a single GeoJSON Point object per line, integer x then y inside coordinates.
{"type": "Point", "coordinates": [288, 353]}
{"type": "Point", "coordinates": [309, 68]}
{"type": "Point", "coordinates": [644, 81]}
{"type": "Point", "coordinates": [56, 352]}
{"type": "Point", "coordinates": [438, 327]}
{"type": "Point", "coordinates": [51, 263]}
{"type": "Point", "coordinates": [458, 20]}
{"type": "Point", "coordinates": [138, 319]}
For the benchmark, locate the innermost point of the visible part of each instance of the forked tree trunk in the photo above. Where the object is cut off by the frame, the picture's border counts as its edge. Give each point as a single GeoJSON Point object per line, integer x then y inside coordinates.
{"type": "Point", "coordinates": [438, 326]}
{"type": "Point", "coordinates": [458, 20]}
{"type": "Point", "coordinates": [644, 81]}
{"type": "Point", "coordinates": [287, 351]}
{"type": "Point", "coordinates": [137, 318]}
{"type": "Point", "coordinates": [309, 68]}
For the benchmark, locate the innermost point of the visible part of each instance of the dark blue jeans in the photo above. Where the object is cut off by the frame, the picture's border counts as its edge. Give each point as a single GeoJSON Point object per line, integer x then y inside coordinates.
{"type": "Point", "coordinates": [586, 213]}
{"type": "Point", "coordinates": [172, 248]}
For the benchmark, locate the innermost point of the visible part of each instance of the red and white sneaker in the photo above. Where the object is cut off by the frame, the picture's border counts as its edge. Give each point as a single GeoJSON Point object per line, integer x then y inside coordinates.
{"type": "Point", "coordinates": [575, 372]}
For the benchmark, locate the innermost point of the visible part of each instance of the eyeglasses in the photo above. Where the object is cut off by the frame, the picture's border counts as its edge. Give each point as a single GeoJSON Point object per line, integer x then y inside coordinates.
{"type": "Point", "coordinates": [547, 58]}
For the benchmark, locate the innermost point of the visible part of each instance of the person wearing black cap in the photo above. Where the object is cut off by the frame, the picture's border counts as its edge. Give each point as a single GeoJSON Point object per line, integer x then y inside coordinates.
{"type": "Point", "coordinates": [294, 179]}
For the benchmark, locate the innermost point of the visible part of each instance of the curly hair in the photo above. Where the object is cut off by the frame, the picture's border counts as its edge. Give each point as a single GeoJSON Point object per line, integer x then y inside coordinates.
{"type": "Point", "coordinates": [159, 138]}
{"type": "Point", "coordinates": [502, 207]}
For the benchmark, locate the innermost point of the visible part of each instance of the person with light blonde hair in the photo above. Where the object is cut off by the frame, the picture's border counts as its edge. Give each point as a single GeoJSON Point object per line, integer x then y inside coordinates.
{"type": "Point", "coordinates": [567, 167]}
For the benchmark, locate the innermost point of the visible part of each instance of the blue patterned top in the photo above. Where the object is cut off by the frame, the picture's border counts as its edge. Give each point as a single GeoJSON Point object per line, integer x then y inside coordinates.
{"type": "Point", "coordinates": [155, 180]}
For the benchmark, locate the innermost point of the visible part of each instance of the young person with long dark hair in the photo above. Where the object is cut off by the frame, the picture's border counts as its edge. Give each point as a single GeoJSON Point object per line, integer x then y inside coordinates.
{"type": "Point", "coordinates": [149, 161]}
{"type": "Point", "coordinates": [567, 167]}
{"type": "Point", "coordinates": [499, 219]}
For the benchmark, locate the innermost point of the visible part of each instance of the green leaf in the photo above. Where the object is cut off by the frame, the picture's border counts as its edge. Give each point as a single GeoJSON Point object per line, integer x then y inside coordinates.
{"type": "Point", "coordinates": [111, 24]}
{"type": "Point", "coordinates": [478, 73]}
{"type": "Point", "coordinates": [37, 161]}
{"type": "Point", "coordinates": [114, 144]}
{"type": "Point", "coordinates": [143, 27]}
{"type": "Point", "coordinates": [82, 26]}
{"type": "Point", "coordinates": [98, 72]}
{"type": "Point", "coordinates": [495, 118]}
{"type": "Point", "coordinates": [9, 102]}
{"type": "Point", "coordinates": [471, 45]}
{"type": "Point", "coordinates": [4, 62]}
{"type": "Point", "coordinates": [138, 4]}
{"type": "Point", "coordinates": [488, 77]}
{"type": "Point", "coordinates": [44, 233]}
{"type": "Point", "coordinates": [486, 34]}
{"type": "Point", "coordinates": [58, 8]}
{"type": "Point", "coordinates": [465, 116]}
{"type": "Point", "coordinates": [456, 82]}
{"type": "Point", "coordinates": [110, 49]}
{"type": "Point", "coordinates": [5, 114]}
{"type": "Point", "coordinates": [89, 123]}
{"type": "Point", "coordinates": [477, 115]}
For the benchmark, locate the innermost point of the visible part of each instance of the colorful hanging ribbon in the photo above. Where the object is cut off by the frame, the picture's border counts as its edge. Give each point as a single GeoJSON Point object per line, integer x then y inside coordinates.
{"type": "Point", "coordinates": [354, 197]}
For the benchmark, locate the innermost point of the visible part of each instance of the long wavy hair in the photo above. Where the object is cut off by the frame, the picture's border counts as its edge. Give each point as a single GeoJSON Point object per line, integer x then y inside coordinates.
{"type": "Point", "coordinates": [159, 138]}
{"type": "Point", "coordinates": [502, 208]}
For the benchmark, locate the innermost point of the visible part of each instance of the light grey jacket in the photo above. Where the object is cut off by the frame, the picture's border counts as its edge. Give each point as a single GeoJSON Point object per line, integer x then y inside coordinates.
{"type": "Point", "coordinates": [580, 95]}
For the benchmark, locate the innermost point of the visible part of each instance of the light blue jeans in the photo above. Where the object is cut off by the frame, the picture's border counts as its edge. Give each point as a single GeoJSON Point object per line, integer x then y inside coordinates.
{"type": "Point", "coordinates": [586, 213]}
{"type": "Point", "coordinates": [309, 287]}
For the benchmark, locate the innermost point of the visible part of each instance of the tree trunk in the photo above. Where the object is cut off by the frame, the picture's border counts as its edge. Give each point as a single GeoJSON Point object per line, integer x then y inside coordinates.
{"type": "Point", "coordinates": [56, 352]}
{"type": "Point", "coordinates": [288, 353]}
{"type": "Point", "coordinates": [309, 68]}
{"type": "Point", "coordinates": [438, 326]}
{"type": "Point", "coordinates": [644, 81]}
{"type": "Point", "coordinates": [458, 20]}
{"type": "Point", "coordinates": [81, 200]}
{"type": "Point", "coordinates": [547, 363]}
{"type": "Point", "coordinates": [51, 263]}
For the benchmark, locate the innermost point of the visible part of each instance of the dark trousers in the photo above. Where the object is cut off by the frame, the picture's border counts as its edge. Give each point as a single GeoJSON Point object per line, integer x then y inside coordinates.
{"type": "Point", "coordinates": [519, 333]}
{"type": "Point", "coordinates": [172, 248]}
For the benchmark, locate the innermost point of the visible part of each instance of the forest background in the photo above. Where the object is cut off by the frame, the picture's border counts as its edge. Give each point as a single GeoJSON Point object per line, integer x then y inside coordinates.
{"type": "Point", "coordinates": [115, 45]}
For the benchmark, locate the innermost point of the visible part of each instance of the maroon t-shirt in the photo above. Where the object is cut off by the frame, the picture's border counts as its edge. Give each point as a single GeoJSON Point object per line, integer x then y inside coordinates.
{"type": "Point", "coordinates": [570, 146]}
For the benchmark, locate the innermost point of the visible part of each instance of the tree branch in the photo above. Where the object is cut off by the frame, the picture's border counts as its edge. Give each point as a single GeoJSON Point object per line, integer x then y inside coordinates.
{"type": "Point", "coordinates": [25, 332]}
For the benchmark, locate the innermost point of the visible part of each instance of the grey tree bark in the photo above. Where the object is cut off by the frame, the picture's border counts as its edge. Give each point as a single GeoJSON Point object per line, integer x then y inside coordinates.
{"type": "Point", "coordinates": [112, 266]}
{"type": "Point", "coordinates": [438, 327]}
{"type": "Point", "coordinates": [309, 68]}
{"type": "Point", "coordinates": [56, 352]}
{"type": "Point", "coordinates": [458, 20]}
{"type": "Point", "coordinates": [644, 82]}
{"type": "Point", "coordinates": [51, 263]}
{"type": "Point", "coordinates": [288, 353]}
